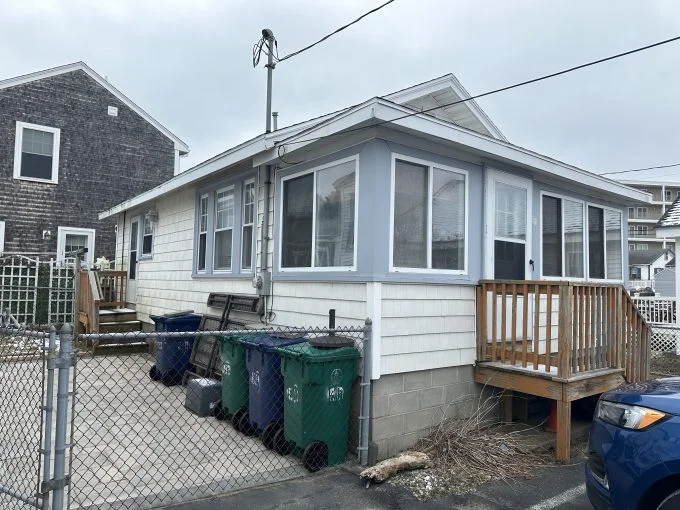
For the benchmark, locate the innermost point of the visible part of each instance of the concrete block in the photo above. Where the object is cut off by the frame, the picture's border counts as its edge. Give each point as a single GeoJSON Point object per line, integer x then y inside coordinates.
{"type": "Point", "coordinates": [401, 403]}
{"type": "Point", "coordinates": [380, 406]}
{"type": "Point", "coordinates": [389, 426]}
{"type": "Point", "coordinates": [444, 376]}
{"type": "Point", "coordinates": [417, 380]}
{"type": "Point", "coordinates": [460, 391]}
{"type": "Point", "coordinates": [421, 420]}
{"type": "Point", "coordinates": [466, 373]}
{"type": "Point", "coordinates": [388, 385]}
{"type": "Point", "coordinates": [396, 445]}
{"type": "Point", "coordinates": [430, 397]}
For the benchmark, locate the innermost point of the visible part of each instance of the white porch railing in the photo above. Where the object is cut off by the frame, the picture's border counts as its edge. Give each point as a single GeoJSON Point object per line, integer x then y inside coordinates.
{"type": "Point", "coordinates": [642, 284]}
{"type": "Point", "coordinates": [656, 310]}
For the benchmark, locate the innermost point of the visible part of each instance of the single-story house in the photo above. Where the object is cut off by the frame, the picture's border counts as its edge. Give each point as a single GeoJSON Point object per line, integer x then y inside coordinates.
{"type": "Point", "coordinates": [410, 218]}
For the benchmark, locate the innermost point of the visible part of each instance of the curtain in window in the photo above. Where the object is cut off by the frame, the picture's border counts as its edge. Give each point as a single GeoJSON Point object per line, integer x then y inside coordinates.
{"type": "Point", "coordinates": [410, 215]}
{"type": "Point", "coordinates": [573, 239]}
{"type": "Point", "coordinates": [448, 220]}
{"type": "Point", "coordinates": [614, 258]}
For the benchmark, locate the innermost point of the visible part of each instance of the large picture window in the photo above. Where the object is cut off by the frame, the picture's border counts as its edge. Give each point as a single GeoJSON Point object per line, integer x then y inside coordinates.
{"type": "Point", "coordinates": [36, 153]}
{"type": "Point", "coordinates": [318, 227]}
{"type": "Point", "coordinates": [566, 253]}
{"type": "Point", "coordinates": [429, 221]}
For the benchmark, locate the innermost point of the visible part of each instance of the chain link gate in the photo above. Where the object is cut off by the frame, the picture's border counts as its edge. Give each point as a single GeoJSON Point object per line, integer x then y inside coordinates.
{"type": "Point", "coordinates": [269, 408]}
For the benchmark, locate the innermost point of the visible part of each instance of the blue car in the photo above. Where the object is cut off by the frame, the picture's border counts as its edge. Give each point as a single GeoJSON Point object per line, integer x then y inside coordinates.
{"type": "Point", "coordinates": [634, 452]}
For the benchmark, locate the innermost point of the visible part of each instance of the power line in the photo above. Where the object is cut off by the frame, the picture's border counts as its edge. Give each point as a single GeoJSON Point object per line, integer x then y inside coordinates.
{"type": "Point", "coordinates": [502, 89]}
{"type": "Point", "coordinates": [290, 55]}
{"type": "Point", "coordinates": [640, 169]}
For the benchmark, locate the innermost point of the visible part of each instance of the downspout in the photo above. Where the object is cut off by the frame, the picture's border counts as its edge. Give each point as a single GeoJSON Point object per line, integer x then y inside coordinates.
{"type": "Point", "coordinates": [122, 243]}
{"type": "Point", "coordinates": [265, 220]}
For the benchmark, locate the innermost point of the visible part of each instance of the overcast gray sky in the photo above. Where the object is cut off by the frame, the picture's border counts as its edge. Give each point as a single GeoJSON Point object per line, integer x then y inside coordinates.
{"type": "Point", "coordinates": [188, 63]}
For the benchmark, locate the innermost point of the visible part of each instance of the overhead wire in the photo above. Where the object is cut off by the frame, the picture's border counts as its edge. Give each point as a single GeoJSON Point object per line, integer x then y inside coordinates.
{"type": "Point", "coordinates": [640, 169]}
{"type": "Point", "coordinates": [491, 92]}
{"type": "Point", "coordinates": [309, 47]}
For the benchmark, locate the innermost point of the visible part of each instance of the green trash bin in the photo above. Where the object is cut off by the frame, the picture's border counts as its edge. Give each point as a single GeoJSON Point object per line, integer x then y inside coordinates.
{"type": "Point", "coordinates": [317, 392]}
{"type": "Point", "coordinates": [234, 404]}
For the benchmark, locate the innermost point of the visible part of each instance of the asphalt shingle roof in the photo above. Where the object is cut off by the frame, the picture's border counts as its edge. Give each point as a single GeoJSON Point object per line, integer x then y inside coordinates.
{"type": "Point", "coordinates": [644, 257]}
{"type": "Point", "coordinates": [671, 217]}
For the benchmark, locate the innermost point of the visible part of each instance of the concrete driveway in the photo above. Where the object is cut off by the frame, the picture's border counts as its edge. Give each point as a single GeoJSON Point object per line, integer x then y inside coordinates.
{"type": "Point", "coordinates": [559, 487]}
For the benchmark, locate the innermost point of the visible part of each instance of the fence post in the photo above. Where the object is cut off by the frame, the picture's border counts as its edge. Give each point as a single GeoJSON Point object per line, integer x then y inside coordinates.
{"type": "Point", "coordinates": [48, 408]}
{"type": "Point", "coordinates": [64, 364]}
{"type": "Point", "coordinates": [365, 415]}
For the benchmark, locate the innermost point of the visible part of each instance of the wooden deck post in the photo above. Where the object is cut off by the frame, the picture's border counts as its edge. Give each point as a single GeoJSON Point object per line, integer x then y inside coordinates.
{"type": "Point", "coordinates": [506, 406]}
{"type": "Point", "coordinates": [563, 440]}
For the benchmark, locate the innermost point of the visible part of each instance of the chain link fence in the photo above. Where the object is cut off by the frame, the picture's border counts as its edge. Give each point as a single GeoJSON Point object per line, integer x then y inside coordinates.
{"type": "Point", "coordinates": [22, 394]}
{"type": "Point", "coordinates": [172, 416]}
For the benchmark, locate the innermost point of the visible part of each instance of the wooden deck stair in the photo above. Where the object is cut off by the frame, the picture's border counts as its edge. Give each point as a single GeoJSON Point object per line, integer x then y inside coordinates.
{"type": "Point", "coordinates": [558, 340]}
{"type": "Point", "coordinates": [118, 320]}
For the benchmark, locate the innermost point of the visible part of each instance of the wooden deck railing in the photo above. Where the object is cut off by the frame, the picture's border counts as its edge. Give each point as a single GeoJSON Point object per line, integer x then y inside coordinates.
{"type": "Point", "coordinates": [111, 286]}
{"type": "Point", "coordinates": [562, 328]}
{"type": "Point", "coordinates": [89, 300]}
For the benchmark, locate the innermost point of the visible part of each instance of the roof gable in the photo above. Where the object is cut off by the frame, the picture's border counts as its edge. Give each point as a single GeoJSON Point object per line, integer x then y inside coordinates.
{"type": "Point", "coordinates": [81, 66]}
{"type": "Point", "coordinates": [446, 90]}
{"type": "Point", "coordinates": [645, 257]}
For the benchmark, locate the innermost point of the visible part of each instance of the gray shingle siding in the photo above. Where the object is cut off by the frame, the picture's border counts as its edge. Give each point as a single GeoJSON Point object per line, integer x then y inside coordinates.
{"type": "Point", "coordinates": [103, 160]}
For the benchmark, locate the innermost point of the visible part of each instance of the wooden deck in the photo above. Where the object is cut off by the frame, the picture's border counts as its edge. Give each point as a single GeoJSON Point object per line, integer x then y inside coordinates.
{"type": "Point", "coordinates": [559, 340]}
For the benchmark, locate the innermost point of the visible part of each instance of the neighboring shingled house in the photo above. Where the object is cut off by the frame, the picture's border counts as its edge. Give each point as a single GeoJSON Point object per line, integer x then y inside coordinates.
{"type": "Point", "coordinates": [72, 144]}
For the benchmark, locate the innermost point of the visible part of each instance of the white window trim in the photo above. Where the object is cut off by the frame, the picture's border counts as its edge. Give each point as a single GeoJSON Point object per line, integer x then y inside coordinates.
{"type": "Point", "coordinates": [585, 239]}
{"type": "Point", "coordinates": [252, 224]}
{"type": "Point", "coordinates": [314, 170]}
{"type": "Point", "coordinates": [430, 165]}
{"type": "Point", "coordinates": [61, 241]}
{"type": "Point", "coordinates": [215, 230]}
{"type": "Point", "coordinates": [18, 142]}
{"type": "Point", "coordinates": [2, 237]}
{"type": "Point", "coordinates": [623, 241]}
{"type": "Point", "coordinates": [142, 235]}
{"type": "Point", "coordinates": [641, 212]}
{"type": "Point", "coordinates": [199, 231]}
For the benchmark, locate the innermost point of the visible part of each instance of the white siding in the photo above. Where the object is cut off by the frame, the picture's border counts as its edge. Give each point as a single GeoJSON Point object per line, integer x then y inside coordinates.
{"type": "Point", "coordinates": [426, 326]}
{"type": "Point", "coordinates": [262, 177]}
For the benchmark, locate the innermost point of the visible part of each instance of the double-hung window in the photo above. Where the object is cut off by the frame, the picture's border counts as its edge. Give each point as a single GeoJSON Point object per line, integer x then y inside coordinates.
{"type": "Point", "coordinates": [641, 212]}
{"type": "Point", "coordinates": [248, 224]}
{"type": "Point", "coordinates": [224, 229]}
{"type": "Point", "coordinates": [147, 236]}
{"type": "Point", "coordinates": [580, 240]}
{"type": "Point", "coordinates": [429, 217]}
{"type": "Point", "coordinates": [318, 211]}
{"type": "Point", "coordinates": [36, 153]}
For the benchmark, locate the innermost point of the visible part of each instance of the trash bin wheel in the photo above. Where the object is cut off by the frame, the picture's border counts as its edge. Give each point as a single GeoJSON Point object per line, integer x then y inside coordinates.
{"type": "Point", "coordinates": [219, 412]}
{"type": "Point", "coordinates": [153, 373]}
{"type": "Point", "coordinates": [171, 378]}
{"type": "Point", "coordinates": [244, 425]}
{"type": "Point", "coordinates": [315, 456]}
{"type": "Point", "coordinates": [236, 419]}
{"type": "Point", "coordinates": [268, 434]}
{"type": "Point", "coordinates": [280, 445]}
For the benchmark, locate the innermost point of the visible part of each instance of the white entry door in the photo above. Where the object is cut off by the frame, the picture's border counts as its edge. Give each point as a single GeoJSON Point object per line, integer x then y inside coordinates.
{"type": "Point", "coordinates": [133, 261]}
{"type": "Point", "coordinates": [508, 219]}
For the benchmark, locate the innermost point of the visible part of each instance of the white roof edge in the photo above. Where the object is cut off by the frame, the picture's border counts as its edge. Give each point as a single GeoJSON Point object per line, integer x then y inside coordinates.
{"type": "Point", "coordinates": [82, 66]}
{"type": "Point", "coordinates": [667, 232]}
{"type": "Point", "coordinates": [386, 111]}
{"type": "Point", "coordinates": [649, 183]}
{"type": "Point", "coordinates": [450, 79]}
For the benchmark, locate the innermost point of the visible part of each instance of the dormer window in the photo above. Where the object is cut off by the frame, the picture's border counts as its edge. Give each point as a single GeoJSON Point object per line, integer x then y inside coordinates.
{"type": "Point", "coordinates": [36, 153]}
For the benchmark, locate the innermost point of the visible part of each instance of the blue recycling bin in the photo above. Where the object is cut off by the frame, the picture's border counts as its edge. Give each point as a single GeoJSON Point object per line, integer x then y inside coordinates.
{"type": "Point", "coordinates": [265, 388]}
{"type": "Point", "coordinates": [173, 353]}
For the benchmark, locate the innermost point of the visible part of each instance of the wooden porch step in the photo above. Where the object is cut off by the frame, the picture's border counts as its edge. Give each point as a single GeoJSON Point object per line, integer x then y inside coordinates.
{"type": "Point", "coordinates": [120, 326]}
{"type": "Point", "coordinates": [112, 315]}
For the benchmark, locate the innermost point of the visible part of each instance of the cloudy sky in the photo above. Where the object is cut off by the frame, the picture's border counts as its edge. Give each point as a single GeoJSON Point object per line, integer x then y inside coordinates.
{"type": "Point", "coordinates": [188, 63]}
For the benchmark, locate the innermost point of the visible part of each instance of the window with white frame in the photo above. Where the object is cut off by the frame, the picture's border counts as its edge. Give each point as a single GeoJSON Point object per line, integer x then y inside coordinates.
{"type": "Point", "coordinates": [580, 240]}
{"type": "Point", "coordinates": [224, 229]}
{"type": "Point", "coordinates": [642, 246]}
{"type": "Point", "coordinates": [631, 247]}
{"type": "Point", "coordinates": [318, 217]}
{"type": "Point", "coordinates": [71, 239]}
{"type": "Point", "coordinates": [147, 235]}
{"type": "Point", "coordinates": [36, 153]}
{"type": "Point", "coordinates": [641, 212]}
{"type": "Point", "coordinates": [429, 217]}
{"type": "Point", "coordinates": [2, 236]}
{"type": "Point", "coordinates": [604, 244]}
{"type": "Point", "coordinates": [202, 232]}
{"type": "Point", "coordinates": [247, 228]}
{"type": "Point", "coordinates": [668, 195]}
{"type": "Point", "coordinates": [631, 212]}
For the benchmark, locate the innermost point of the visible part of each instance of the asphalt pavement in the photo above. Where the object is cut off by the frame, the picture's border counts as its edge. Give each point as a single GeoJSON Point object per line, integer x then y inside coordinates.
{"type": "Point", "coordinates": [555, 487]}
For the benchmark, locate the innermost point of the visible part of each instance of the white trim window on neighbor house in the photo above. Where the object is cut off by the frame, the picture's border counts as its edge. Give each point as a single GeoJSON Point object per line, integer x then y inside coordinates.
{"type": "Point", "coordinates": [36, 153]}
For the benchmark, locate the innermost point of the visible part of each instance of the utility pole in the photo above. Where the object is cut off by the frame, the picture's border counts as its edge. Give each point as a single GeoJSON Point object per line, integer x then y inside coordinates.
{"type": "Point", "coordinates": [268, 36]}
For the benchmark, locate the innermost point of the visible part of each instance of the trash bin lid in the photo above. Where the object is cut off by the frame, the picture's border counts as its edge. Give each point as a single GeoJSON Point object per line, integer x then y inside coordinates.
{"type": "Point", "coordinates": [270, 342]}
{"type": "Point", "coordinates": [331, 341]}
{"type": "Point", "coordinates": [311, 354]}
{"type": "Point", "coordinates": [169, 316]}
